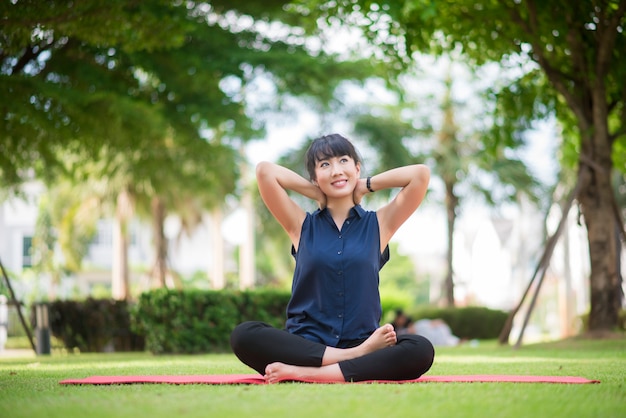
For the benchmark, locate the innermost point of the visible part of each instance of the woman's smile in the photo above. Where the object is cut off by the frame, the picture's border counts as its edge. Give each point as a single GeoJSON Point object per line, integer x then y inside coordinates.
{"type": "Point", "coordinates": [339, 183]}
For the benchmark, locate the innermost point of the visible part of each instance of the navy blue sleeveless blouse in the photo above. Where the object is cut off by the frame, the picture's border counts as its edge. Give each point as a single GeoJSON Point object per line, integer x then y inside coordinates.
{"type": "Point", "coordinates": [335, 298]}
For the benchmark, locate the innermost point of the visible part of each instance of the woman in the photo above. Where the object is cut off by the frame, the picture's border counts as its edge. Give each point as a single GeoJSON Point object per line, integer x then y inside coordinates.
{"type": "Point", "coordinates": [332, 331]}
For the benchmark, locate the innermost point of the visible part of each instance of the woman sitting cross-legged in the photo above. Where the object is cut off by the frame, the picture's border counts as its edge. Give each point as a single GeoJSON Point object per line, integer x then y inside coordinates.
{"type": "Point", "coordinates": [332, 330]}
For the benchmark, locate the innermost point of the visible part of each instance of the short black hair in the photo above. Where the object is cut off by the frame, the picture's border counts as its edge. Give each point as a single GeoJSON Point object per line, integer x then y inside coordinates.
{"type": "Point", "coordinates": [327, 146]}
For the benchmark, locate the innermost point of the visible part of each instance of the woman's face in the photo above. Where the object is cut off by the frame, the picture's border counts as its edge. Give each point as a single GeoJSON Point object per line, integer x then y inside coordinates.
{"type": "Point", "coordinates": [337, 176]}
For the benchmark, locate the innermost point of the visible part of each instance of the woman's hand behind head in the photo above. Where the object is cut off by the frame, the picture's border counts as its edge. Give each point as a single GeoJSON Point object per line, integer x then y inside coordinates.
{"type": "Point", "coordinates": [359, 191]}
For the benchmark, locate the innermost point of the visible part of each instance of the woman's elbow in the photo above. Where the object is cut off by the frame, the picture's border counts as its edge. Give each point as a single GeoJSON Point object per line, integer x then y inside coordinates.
{"type": "Point", "coordinates": [263, 169]}
{"type": "Point", "coordinates": [422, 173]}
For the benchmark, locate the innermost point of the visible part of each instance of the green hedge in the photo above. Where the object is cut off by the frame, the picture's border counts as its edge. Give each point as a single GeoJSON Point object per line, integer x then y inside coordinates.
{"type": "Point", "coordinates": [91, 325]}
{"type": "Point", "coordinates": [199, 321]}
{"type": "Point", "coordinates": [466, 323]}
{"type": "Point", "coordinates": [195, 321]}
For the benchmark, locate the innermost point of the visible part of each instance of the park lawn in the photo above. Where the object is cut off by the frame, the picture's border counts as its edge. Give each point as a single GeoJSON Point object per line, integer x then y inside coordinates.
{"type": "Point", "coordinates": [29, 387]}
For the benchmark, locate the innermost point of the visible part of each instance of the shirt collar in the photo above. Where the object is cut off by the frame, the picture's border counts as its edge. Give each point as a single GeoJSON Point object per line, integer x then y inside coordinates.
{"type": "Point", "coordinates": [355, 210]}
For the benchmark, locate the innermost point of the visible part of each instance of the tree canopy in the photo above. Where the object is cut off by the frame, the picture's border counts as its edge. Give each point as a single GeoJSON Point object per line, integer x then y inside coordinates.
{"type": "Point", "coordinates": [149, 100]}
{"type": "Point", "coordinates": [117, 74]}
{"type": "Point", "coordinates": [569, 61]}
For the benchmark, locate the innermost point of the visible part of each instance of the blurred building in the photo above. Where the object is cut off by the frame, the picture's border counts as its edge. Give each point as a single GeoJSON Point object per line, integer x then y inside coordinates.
{"type": "Point", "coordinates": [187, 254]}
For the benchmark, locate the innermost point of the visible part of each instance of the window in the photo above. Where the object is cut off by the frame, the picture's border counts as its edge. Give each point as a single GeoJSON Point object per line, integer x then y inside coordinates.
{"type": "Point", "coordinates": [104, 234]}
{"type": "Point", "coordinates": [27, 246]}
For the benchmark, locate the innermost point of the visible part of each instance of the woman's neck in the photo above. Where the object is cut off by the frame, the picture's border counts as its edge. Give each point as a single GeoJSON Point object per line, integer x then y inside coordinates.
{"type": "Point", "coordinates": [340, 210]}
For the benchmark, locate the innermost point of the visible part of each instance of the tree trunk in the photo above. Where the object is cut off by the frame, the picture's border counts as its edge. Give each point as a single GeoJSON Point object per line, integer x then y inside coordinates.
{"type": "Point", "coordinates": [589, 101]}
{"type": "Point", "coordinates": [540, 271]}
{"type": "Point", "coordinates": [217, 277]}
{"type": "Point", "coordinates": [119, 271]}
{"type": "Point", "coordinates": [246, 251]}
{"type": "Point", "coordinates": [449, 148]}
{"type": "Point", "coordinates": [159, 270]}
{"type": "Point", "coordinates": [596, 199]}
{"type": "Point", "coordinates": [451, 204]}
{"type": "Point", "coordinates": [566, 299]}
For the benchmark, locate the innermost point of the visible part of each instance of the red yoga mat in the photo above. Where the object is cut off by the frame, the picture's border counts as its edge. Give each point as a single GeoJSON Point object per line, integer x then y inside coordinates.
{"type": "Point", "coordinates": [235, 379]}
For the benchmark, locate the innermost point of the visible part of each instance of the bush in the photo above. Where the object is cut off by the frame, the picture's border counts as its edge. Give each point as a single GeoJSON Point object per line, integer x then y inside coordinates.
{"type": "Point", "coordinates": [92, 325]}
{"type": "Point", "coordinates": [199, 321]}
{"type": "Point", "coordinates": [174, 321]}
{"type": "Point", "coordinates": [195, 321]}
{"type": "Point", "coordinates": [264, 305]}
{"type": "Point", "coordinates": [466, 323]}
{"type": "Point", "coordinates": [392, 301]}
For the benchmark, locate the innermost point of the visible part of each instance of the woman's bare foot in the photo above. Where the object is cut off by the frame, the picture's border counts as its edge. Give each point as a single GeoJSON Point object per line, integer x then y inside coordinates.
{"type": "Point", "coordinates": [278, 372]}
{"type": "Point", "coordinates": [384, 336]}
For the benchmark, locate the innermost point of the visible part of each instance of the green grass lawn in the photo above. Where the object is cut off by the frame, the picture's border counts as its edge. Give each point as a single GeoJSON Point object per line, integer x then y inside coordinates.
{"type": "Point", "coordinates": [29, 387]}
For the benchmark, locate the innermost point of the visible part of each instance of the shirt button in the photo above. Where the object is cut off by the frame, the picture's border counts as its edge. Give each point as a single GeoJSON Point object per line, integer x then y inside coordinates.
{"type": "Point", "coordinates": [340, 236]}
{"type": "Point", "coordinates": [340, 316]}
{"type": "Point", "coordinates": [348, 222]}
{"type": "Point", "coordinates": [339, 252]}
{"type": "Point", "coordinates": [340, 272]}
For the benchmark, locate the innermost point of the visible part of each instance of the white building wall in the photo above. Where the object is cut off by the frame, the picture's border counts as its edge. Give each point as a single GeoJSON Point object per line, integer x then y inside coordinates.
{"type": "Point", "coordinates": [18, 217]}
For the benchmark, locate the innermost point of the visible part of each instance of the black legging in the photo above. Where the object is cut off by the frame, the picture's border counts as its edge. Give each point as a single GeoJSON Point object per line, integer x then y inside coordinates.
{"type": "Point", "coordinates": [258, 344]}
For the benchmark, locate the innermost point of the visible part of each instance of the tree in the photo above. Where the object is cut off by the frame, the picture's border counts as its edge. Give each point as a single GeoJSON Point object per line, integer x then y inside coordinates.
{"type": "Point", "coordinates": [59, 207]}
{"type": "Point", "coordinates": [410, 132]}
{"type": "Point", "coordinates": [100, 94]}
{"type": "Point", "coordinates": [577, 72]}
{"type": "Point", "coordinates": [57, 104]}
{"type": "Point", "coordinates": [70, 66]}
{"type": "Point", "coordinates": [87, 88]}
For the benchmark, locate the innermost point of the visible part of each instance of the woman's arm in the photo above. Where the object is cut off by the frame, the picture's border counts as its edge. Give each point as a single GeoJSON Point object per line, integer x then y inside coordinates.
{"type": "Point", "coordinates": [274, 181]}
{"type": "Point", "coordinates": [413, 179]}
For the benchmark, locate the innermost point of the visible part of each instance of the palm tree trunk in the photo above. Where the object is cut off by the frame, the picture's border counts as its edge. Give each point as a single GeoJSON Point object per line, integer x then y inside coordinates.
{"type": "Point", "coordinates": [451, 204]}
{"type": "Point", "coordinates": [217, 278]}
{"type": "Point", "coordinates": [119, 270]}
{"type": "Point", "coordinates": [567, 293]}
{"type": "Point", "coordinates": [159, 270]}
{"type": "Point", "coordinates": [246, 253]}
